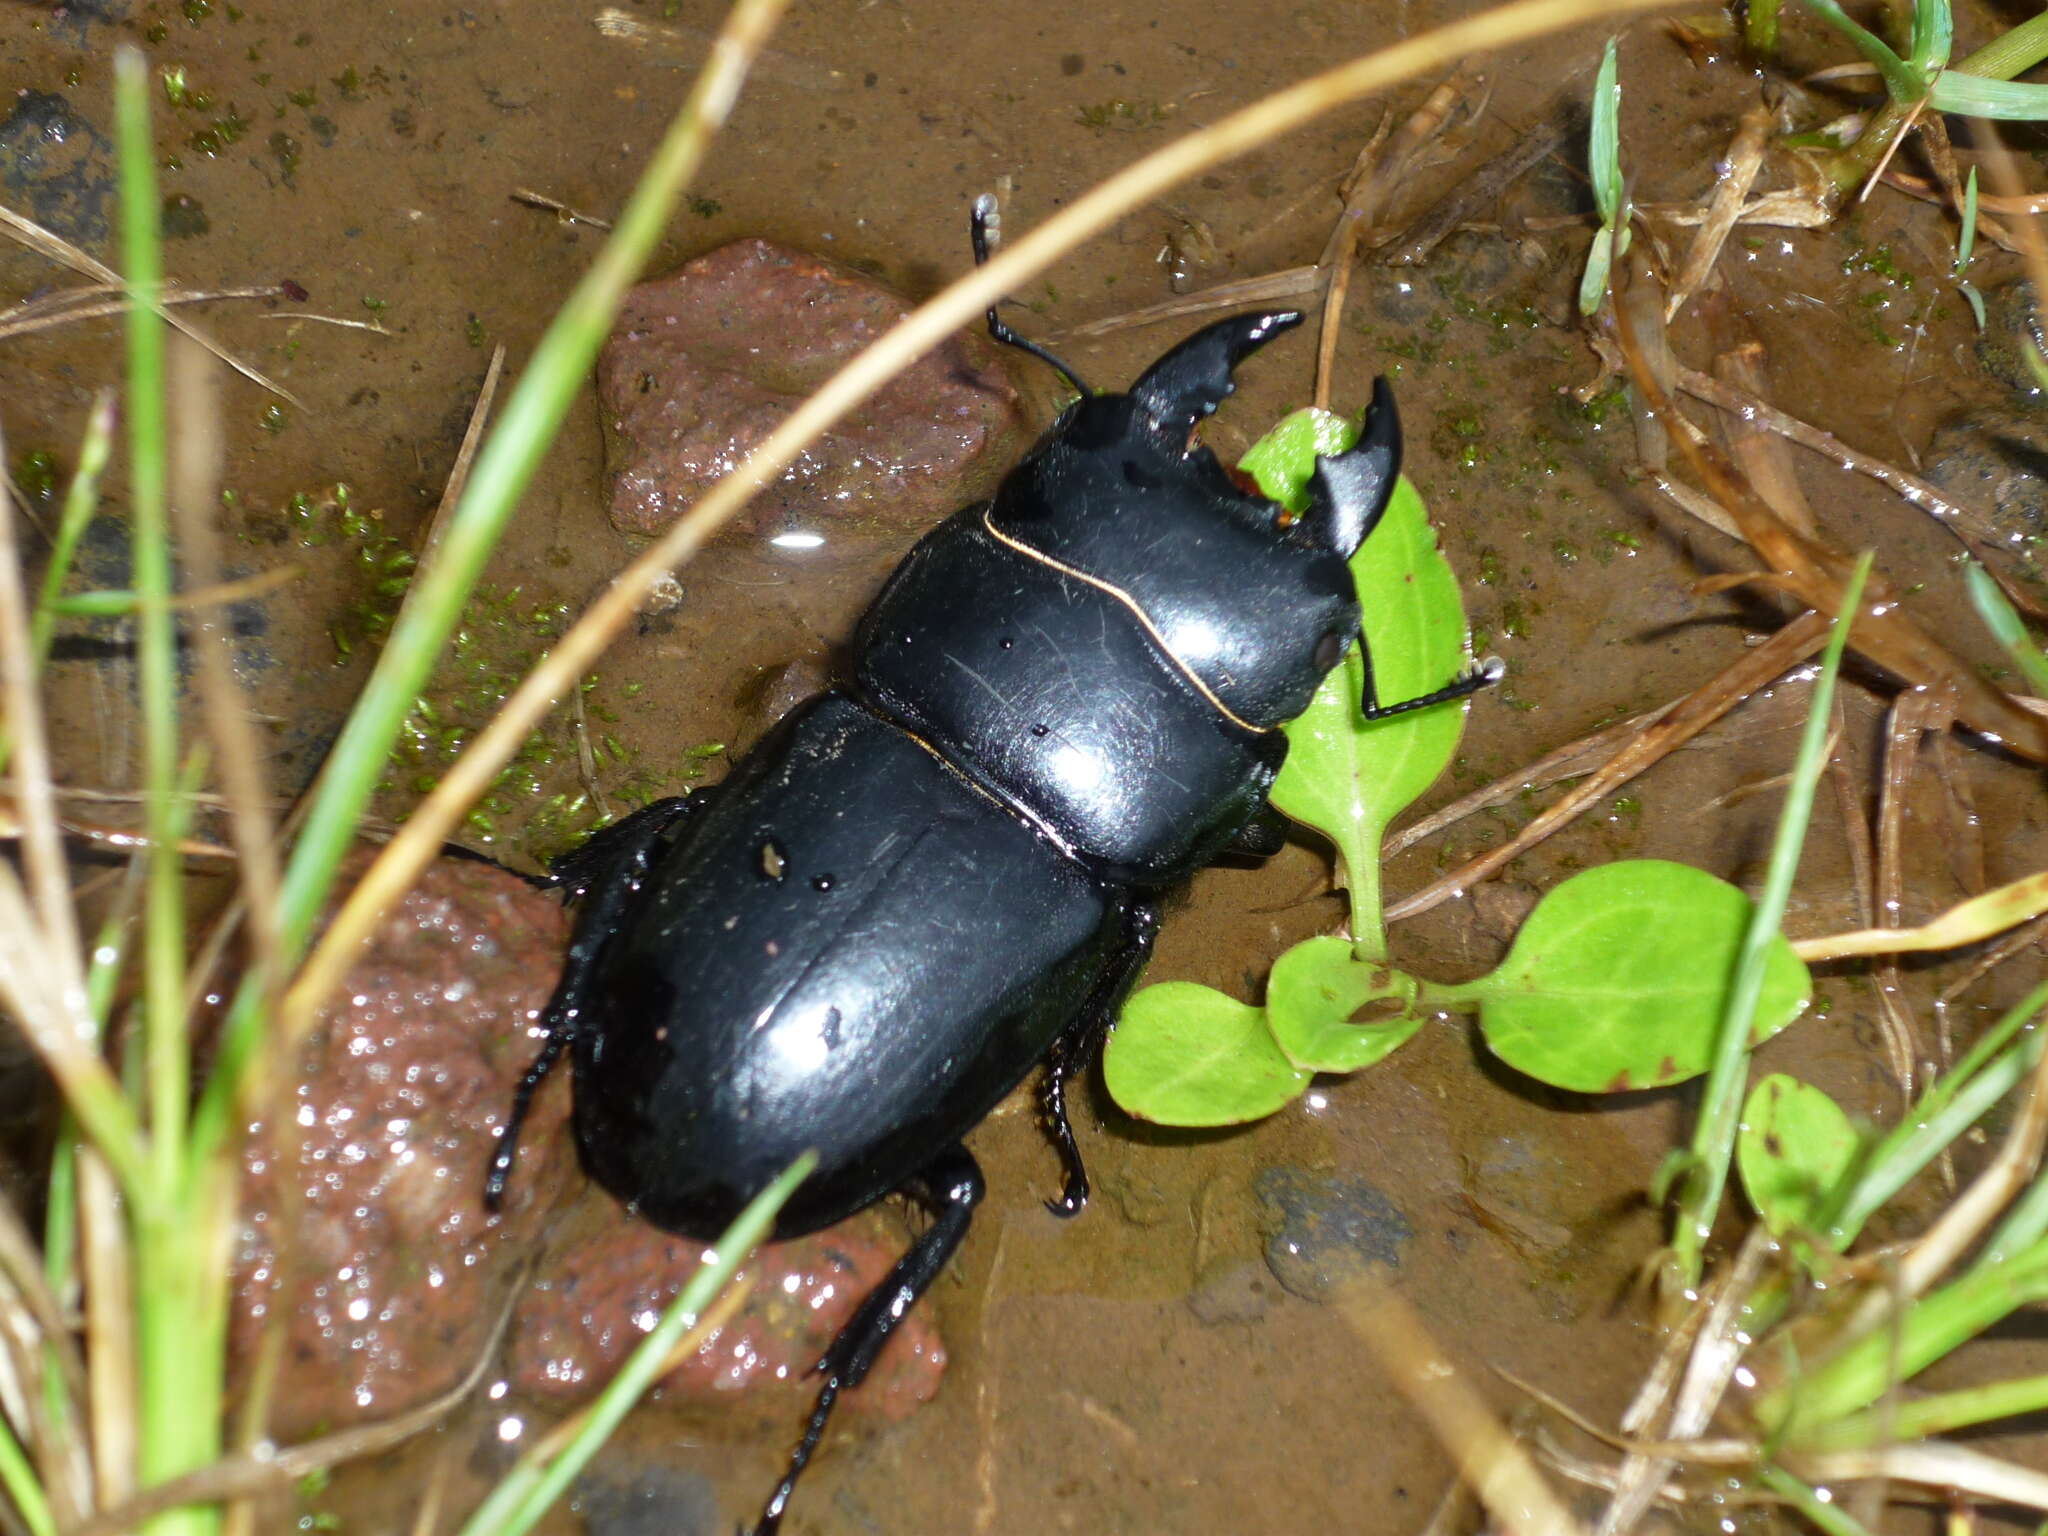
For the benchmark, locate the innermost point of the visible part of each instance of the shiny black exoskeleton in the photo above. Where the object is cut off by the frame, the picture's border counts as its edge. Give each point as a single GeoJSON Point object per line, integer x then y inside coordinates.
{"type": "Point", "coordinates": [920, 886]}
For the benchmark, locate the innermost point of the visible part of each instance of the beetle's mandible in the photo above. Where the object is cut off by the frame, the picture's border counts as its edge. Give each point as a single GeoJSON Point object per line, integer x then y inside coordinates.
{"type": "Point", "coordinates": [919, 886]}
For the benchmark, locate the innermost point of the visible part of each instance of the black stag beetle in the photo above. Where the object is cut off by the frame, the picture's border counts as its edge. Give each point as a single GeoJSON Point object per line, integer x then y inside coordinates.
{"type": "Point", "coordinates": [918, 887]}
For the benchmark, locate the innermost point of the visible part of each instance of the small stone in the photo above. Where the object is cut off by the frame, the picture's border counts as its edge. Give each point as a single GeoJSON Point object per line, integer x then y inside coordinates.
{"type": "Point", "coordinates": [653, 1500]}
{"type": "Point", "coordinates": [1240, 1293]}
{"type": "Point", "coordinates": [707, 362]}
{"type": "Point", "coordinates": [1326, 1231]}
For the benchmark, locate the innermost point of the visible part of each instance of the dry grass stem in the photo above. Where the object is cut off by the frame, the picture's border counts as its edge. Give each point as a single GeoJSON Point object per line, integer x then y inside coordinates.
{"type": "Point", "coordinates": [1479, 193]}
{"type": "Point", "coordinates": [1568, 762]}
{"type": "Point", "coordinates": [1935, 1465]}
{"type": "Point", "coordinates": [1490, 1460]}
{"type": "Point", "coordinates": [1969, 523]}
{"type": "Point", "coordinates": [196, 452]}
{"type": "Point", "coordinates": [1737, 172]}
{"type": "Point", "coordinates": [1378, 172]}
{"type": "Point", "coordinates": [1816, 573]}
{"type": "Point", "coordinates": [1763, 456]}
{"type": "Point", "coordinates": [1272, 288]}
{"type": "Point", "coordinates": [109, 1328]}
{"type": "Point", "coordinates": [97, 301]}
{"type": "Point", "coordinates": [437, 816]}
{"type": "Point", "coordinates": [1968, 922]}
{"type": "Point", "coordinates": [1694, 713]}
{"type": "Point", "coordinates": [563, 213]}
{"type": "Point", "coordinates": [42, 845]}
{"type": "Point", "coordinates": [1716, 1351]}
{"type": "Point", "coordinates": [56, 248]}
{"type": "Point", "coordinates": [1699, 505]}
{"type": "Point", "coordinates": [465, 455]}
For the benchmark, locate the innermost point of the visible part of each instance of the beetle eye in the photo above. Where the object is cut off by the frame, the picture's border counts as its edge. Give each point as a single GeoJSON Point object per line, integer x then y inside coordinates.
{"type": "Point", "coordinates": [1330, 649]}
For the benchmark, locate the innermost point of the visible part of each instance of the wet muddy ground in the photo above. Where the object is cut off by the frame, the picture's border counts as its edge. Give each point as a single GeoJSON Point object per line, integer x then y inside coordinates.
{"type": "Point", "coordinates": [1141, 1369]}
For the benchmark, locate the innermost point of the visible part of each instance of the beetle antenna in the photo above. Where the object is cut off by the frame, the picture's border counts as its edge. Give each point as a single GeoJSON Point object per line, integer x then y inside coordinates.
{"type": "Point", "coordinates": [985, 227]}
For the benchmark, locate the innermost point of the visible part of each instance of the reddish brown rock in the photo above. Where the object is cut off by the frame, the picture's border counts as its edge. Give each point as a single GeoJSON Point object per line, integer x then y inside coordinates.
{"type": "Point", "coordinates": [365, 1239]}
{"type": "Point", "coordinates": [363, 1227]}
{"type": "Point", "coordinates": [708, 361]}
{"type": "Point", "coordinates": [609, 1275]}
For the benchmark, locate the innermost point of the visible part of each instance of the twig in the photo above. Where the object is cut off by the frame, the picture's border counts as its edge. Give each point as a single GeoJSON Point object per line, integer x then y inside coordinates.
{"type": "Point", "coordinates": [1968, 523]}
{"type": "Point", "coordinates": [62, 251]}
{"type": "Point", "coordinates": [1737, 173]}
{"type": "Point", "coordinates": [1488, 1457]}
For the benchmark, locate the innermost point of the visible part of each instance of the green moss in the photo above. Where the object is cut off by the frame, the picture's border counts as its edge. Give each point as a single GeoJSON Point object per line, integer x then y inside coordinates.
{"type": "Point", "coordinates": [1116, 113]}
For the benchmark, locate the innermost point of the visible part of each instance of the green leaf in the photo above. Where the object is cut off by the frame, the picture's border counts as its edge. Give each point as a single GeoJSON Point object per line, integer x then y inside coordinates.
{"type": "Point", "coordinates": [1315, 989]}
{"type": "Point", "coordinates": [1975, 96]}
{"type": "Point", "coordinates": [1603, 149]}
{"type": "Point", "coordinates": [1795, 1147]}
{"type": "Point", "coordinates": [1618, 979]}
{"type": "Point", "coordinates": [1185, 1054]}
{"type": "Point", "coordinates": [1599, 261]}
{"type": "Point", "coordinates": [1285, 458]}
{"type": "Point", "coordinates": [1345, 776]}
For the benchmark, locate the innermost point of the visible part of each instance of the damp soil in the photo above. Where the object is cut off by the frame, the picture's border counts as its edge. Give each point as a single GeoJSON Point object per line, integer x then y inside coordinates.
{"type": "Point", "coordinates": [1141, 1369]}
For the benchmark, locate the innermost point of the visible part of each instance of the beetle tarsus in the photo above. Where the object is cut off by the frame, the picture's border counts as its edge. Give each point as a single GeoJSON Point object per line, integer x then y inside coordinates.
{"type": "Point", "coordinates": [952, 1186]}
{"type": "Point", "coordinates": [984, 229]}
{"type": "Point", "coordinates": [1481, 674]}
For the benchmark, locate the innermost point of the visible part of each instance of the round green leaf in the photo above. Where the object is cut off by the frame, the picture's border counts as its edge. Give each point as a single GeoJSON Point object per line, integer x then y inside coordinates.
{"type": "Point", "coordinates": [1185, 1054]}
{"type": "Point", "coordinates": [1619, 977]}
{"type": "Point", "coordinates": [1794, 1147]}
{"type": "Point", "coordinates": [1315, 989]}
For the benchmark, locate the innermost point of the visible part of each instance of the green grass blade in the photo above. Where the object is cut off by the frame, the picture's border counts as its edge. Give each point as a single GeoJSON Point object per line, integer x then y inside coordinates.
{"type": "Point", "coordinates": [1900, 80]}
{"type": "Point", "coordinates": [1999, 616]}
{"type": "Point", "coordinates": [1829, 1517]}
{"type": "Point", "coordinates": [163, 970]}
{"type": "Point", "coordinates": [1966, 240]}
{"type": "Point", "coordinates": [519, 1502]}
{"type": "Point", "coordinates": [22, 1485]}
{"type": "Point", "coordinates": [1713, 1146]}
{"type": "Point", "coordinates": [2012, 101]}
{"type": "Point", "coordinates": [81, 500]}
{"type": "Point", "coordinates": [1913, 1145]}
{"type": "Point", "coordinates": [1938, 1414]}
{"type": "Point", "coordinates": [2011, 53]}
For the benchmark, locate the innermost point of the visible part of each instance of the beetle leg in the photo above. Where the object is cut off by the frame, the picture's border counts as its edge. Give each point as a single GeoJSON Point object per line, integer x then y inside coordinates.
{"type": "Point", "coordinates": [952, 1187]}
{"type": "Point", "coordinates": [612, 863]}
{"type": "Point", "coordinates": [1481, 674]}
{"type": "Point", "coordinates": [1261, 837]}
{"type": "Point", "coordinates": [1077, 1047]}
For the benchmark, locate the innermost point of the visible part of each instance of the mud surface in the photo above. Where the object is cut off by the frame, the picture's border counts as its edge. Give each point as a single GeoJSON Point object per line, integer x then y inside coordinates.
{"type": "Point", "coordinates": [1141, 1369]}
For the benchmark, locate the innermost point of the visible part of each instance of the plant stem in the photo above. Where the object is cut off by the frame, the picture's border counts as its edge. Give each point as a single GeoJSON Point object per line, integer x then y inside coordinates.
{"type": "Point", "coordinates": [19, 1479]}
{"type": "Point", "coordinates": [1831, 1519]}
{"type": "Point", "coordinates": [167, 1072]}
{"type": "Point", "coordinates": [1936, 1324]}
{"type": "Point", "coordinates": [1699, 1198]}
{"type": "Point", "coordinates": [181, 1343]}
{"type": "Point", "coordinates": [1760, 27]}
{"type": "Point", "coordinates": [1933, 1415]}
